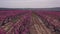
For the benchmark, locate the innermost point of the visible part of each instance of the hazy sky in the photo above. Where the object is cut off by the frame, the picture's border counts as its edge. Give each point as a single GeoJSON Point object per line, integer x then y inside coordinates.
{"type": "Point", "coordinates": [29, 3]}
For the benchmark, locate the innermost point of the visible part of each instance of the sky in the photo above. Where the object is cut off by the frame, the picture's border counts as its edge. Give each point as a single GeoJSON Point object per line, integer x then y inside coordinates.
{"type": "Point", "coordinates": [29, 3]}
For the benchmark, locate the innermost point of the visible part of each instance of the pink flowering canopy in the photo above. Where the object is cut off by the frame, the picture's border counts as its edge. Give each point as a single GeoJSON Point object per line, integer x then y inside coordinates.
{"type": "Point", "coordinates": [29, 22]}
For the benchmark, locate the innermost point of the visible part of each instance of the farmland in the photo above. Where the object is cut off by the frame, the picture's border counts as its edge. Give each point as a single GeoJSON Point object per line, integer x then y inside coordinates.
{"type": "Point", "coordinates": [29, 22]}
